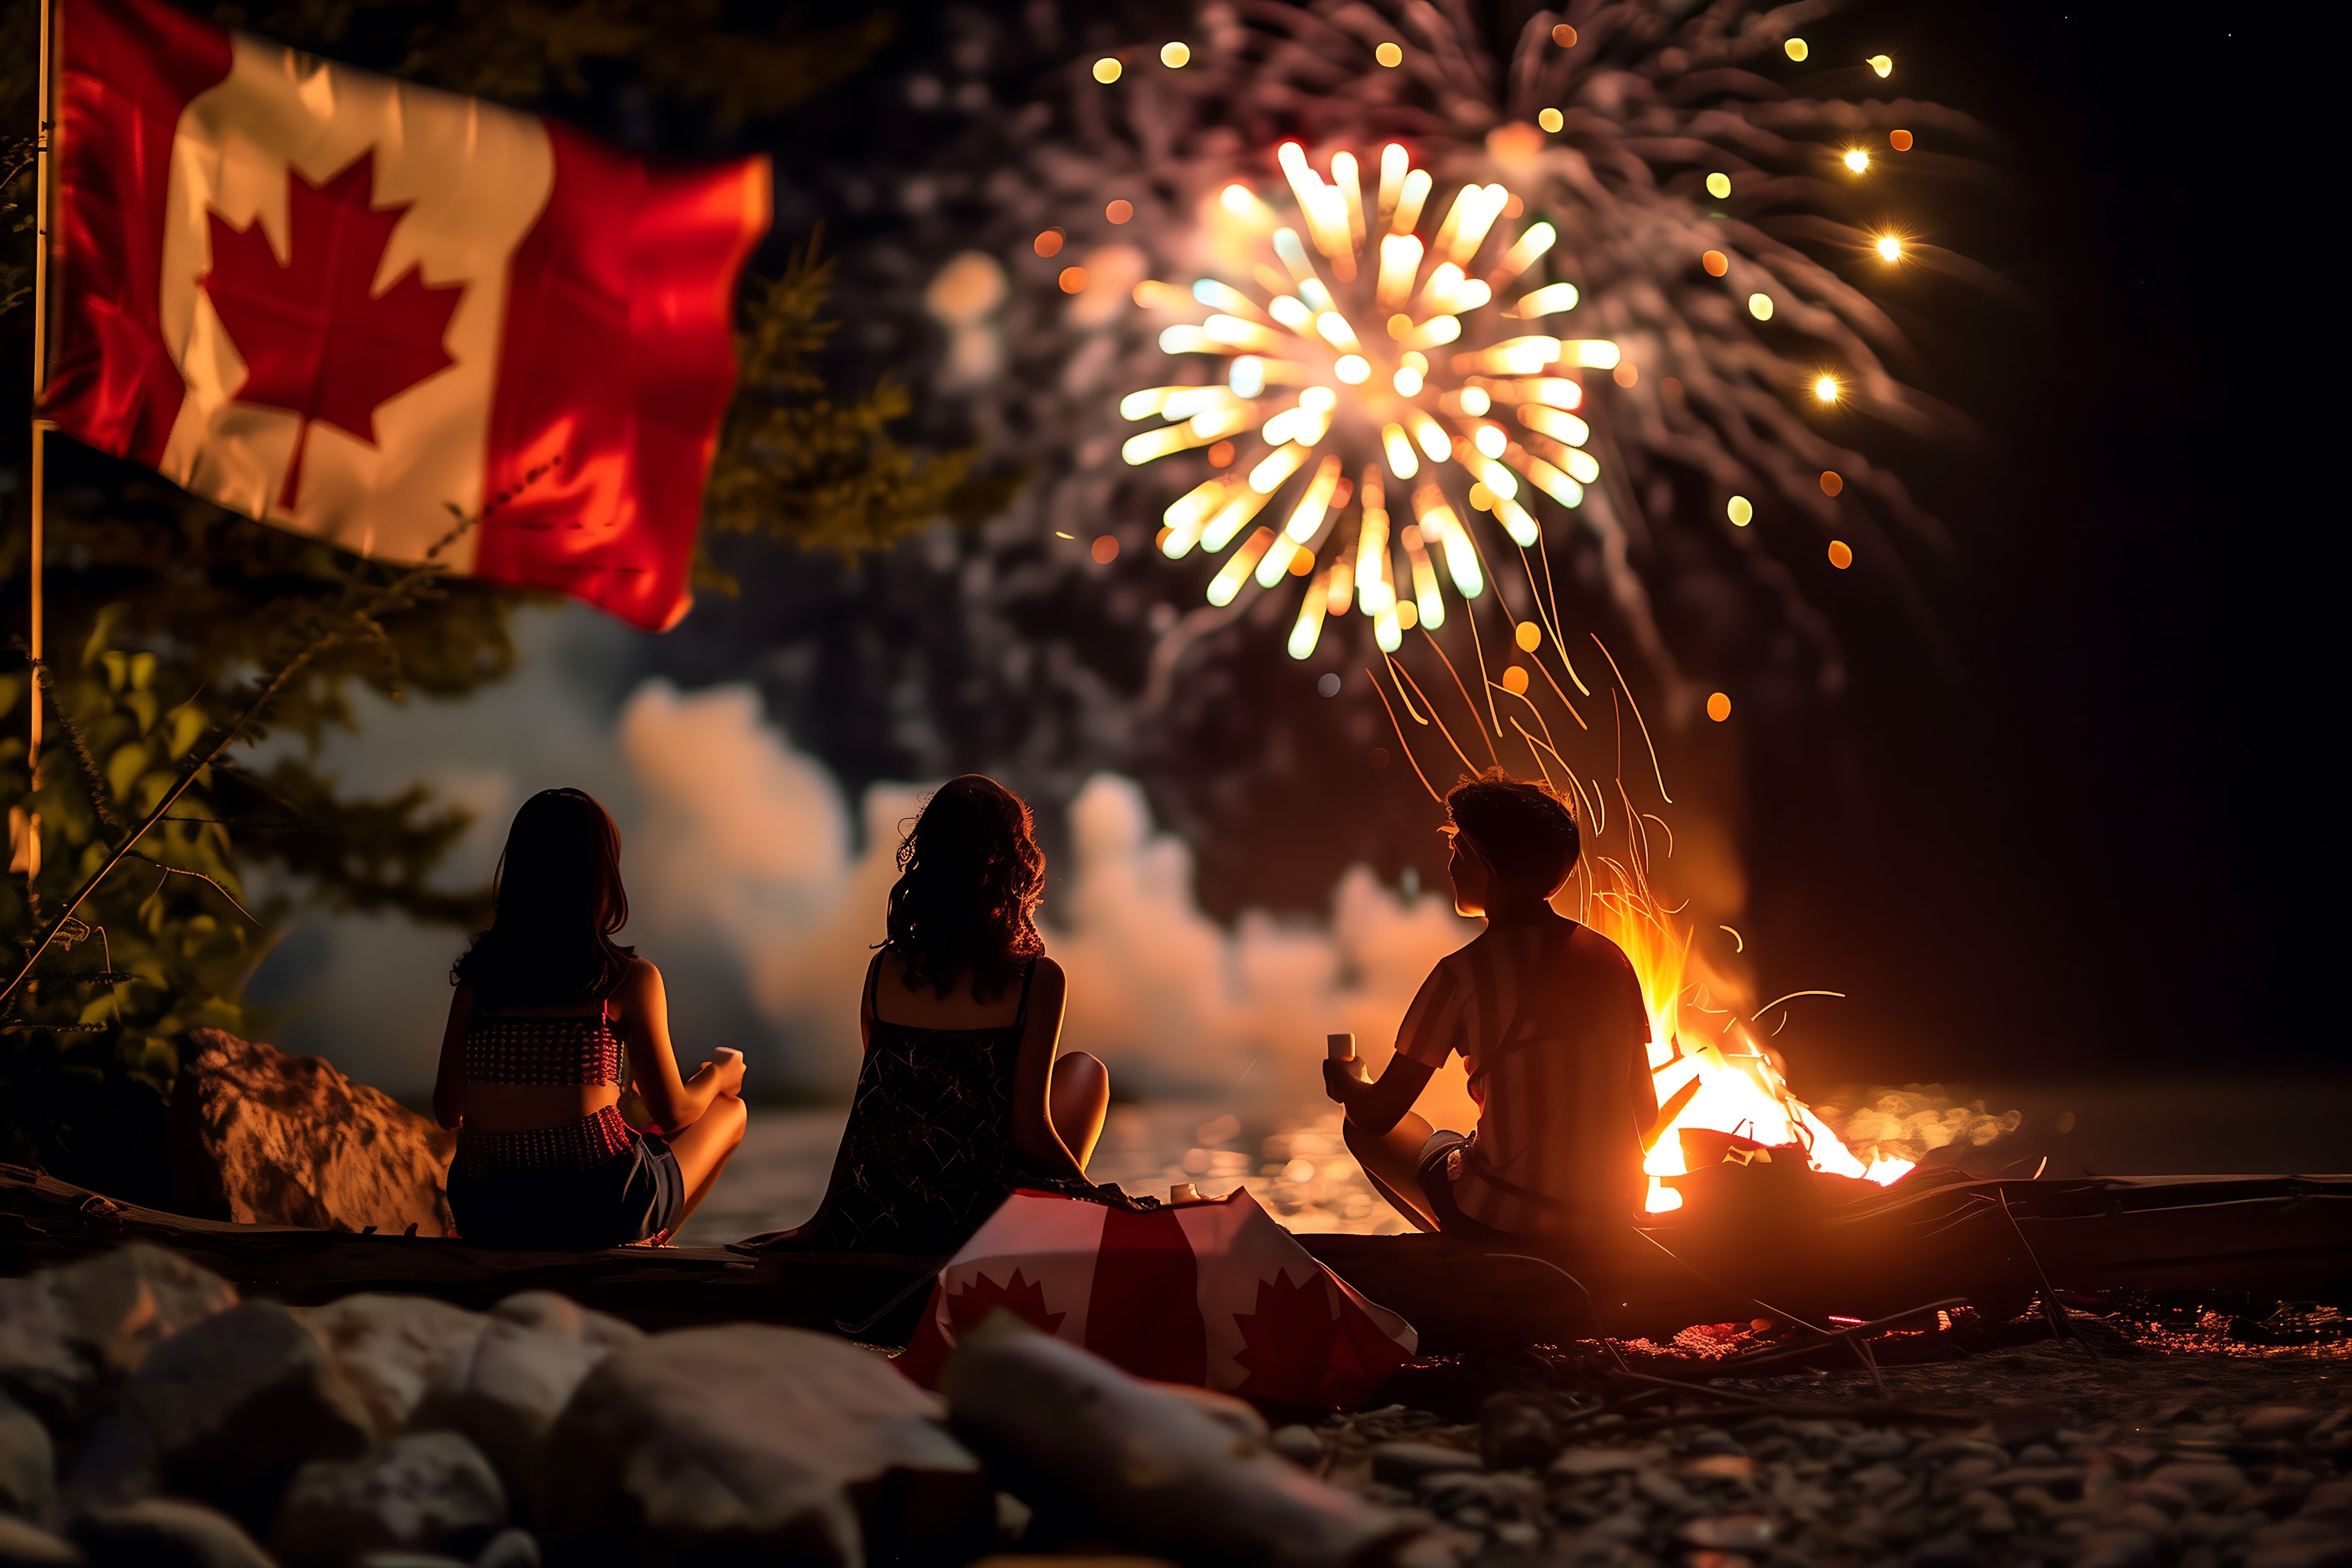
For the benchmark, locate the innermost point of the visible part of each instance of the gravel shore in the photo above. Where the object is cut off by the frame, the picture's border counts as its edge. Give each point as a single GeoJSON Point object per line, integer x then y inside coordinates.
{"type": "Point", "coordinates": [2105, 1457]}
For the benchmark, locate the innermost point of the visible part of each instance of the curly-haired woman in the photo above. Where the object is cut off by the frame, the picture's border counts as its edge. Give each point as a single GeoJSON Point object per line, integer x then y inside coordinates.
{"type": "Point", "coordinates": [961, 1098]}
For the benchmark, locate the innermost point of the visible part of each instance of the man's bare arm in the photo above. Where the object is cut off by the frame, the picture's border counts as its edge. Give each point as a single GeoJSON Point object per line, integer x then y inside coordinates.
{"type": "Point", "coordinates": [1375, 1105]}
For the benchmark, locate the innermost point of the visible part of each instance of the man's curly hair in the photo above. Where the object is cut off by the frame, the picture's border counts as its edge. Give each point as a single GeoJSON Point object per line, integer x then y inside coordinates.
{"type": "Point", "coordinates": [970, 878]}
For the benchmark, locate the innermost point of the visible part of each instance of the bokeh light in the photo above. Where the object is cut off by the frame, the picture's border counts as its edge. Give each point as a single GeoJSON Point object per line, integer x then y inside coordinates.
{"type": "Point", "coordinates": [1550, 118]}
{"type": "Point", "coordinates": [1718, 185]}
{"type": "Point", "coordinates": [1889, 247]}
{"type": "Point", "coordinates": [1515, 679]}
{"type": "Point", "coordinates": [1073, 279]}
{"type": "Point", "coordinates": [1120, 211]}
{"type": "Point", "coordinates": [1883, 64]}
{"type": "Point", "coordinates": [1106, 549]}
{"type": "Point", "coordinates": [1797, 49]}
{"type": "Point", "coordinates": [1760, 306]}
{"type": "Point", "coordinates": [1716, 263]}
{"type": "Point", "coordinates": [1563, 35]}
{"type": "Point", "coordinates": [1389, 55]}
{"type": "Point", "coordinates": [1841, 554]}
{"type": "Point", "coordinates": [1825, 387]}
{"type": "Point", "coordinates": [1530, 636]}
{"type": "Point", "coordinates": [1856, 160]}
{"type": "Point", "coordinates": [1175, 56]}
{"type": "Point", "coordinates": [1718, 707]}
{"type": "Point", "coordinates": [1832, 481]}
{"type": "Point", "coordinates": [1899, 139]}
{"type": "Point", "coordinates": [1107, 69]}
{"type": "Point", "coordinates": [1740, 511]}
{"type": "Point", "coordinates": [1048, 243]}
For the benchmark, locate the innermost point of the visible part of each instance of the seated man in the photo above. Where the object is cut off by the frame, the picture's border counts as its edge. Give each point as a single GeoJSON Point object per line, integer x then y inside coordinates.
{"type": "Point", "coordinates": [1550, 1021]}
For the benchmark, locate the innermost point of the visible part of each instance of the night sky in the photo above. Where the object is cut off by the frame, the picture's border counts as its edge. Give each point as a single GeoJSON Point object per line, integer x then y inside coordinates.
{"type": "Point", "coordinates": [2089, 837]}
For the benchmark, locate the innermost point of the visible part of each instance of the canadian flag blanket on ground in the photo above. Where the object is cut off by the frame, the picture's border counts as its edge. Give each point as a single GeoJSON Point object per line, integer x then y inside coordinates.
{"type": "Point", "coordinates": [1213, 1293]}
{"type": "Point", "coordinates": [362, 309]}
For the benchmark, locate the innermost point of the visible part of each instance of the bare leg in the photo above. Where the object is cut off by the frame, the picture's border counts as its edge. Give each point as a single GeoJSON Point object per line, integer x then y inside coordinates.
{"type": "Point", "coordinates": [1391, 1162]}
{"type": "Point", "coordinates": [703, 1149]}
{"type": "Point", "coordinates": [1078, 1102]}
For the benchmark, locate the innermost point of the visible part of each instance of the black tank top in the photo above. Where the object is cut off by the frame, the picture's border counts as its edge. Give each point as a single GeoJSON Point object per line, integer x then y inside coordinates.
{"type": "Point", "coordinates": [927, 1154]}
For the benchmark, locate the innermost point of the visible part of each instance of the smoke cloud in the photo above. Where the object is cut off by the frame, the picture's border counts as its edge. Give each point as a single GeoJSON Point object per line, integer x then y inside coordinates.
{"type": "Point", "coordinates": [745, 843]}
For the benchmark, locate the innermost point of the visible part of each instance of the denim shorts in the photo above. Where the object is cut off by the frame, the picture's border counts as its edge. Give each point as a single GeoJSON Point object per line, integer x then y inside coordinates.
{"type": "Point", "coordinates": [1440, 1167]}
{"type": "Point", "coordinates": [633, 1196]}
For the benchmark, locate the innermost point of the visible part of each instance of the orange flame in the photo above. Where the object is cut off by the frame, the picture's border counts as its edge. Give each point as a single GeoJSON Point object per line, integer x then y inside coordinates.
{"type": "Point", "coordinates": [1710, 1070]}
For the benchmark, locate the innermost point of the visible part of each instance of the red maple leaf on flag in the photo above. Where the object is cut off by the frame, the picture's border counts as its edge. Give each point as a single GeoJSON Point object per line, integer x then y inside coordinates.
{"type": "Point", "coordinates": [1287, 1342]}
{"type": "Point", "coordinates": [316, 338]}
{"type": "Point", "coordinates": [969, 1307]}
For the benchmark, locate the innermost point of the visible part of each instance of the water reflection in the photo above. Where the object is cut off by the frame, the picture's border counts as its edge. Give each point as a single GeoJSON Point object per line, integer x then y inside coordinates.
{"type": "Point", "coordinates": [1299, 1170]}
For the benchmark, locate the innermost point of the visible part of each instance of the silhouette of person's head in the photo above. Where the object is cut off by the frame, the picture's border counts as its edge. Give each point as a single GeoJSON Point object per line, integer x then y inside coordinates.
{"type": "Point", "coordinates": [558, 899]}
{"type": "Point", "coordinates": [1521, 839]}
{"type": "Point", "coordinates": [970, 878]}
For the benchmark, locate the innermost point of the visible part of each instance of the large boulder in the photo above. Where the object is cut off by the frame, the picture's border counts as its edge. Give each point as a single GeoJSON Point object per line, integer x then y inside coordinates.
{"type": "Point", "coordinates": [232, 1407]}
{"type": "Point", "coordinates": [70, 1334]}
{"type": "Point", "coordinates": [430, 1491]}
{"type": "Point", "coordinates": [393, 1349]}
{"type": "Point", "coordinates": [260, 1137]}
{"type": "Point", "coordinates": [166, 1533]}
{"type": "Point", "coordinates": [519, 1374]}
{"type": "Point", "coordinates": [748, 1442]}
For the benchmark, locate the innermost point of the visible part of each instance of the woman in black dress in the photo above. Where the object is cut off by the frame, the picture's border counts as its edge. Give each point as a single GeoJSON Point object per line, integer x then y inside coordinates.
{"type": "Point", "coordinates": [961, 1098]}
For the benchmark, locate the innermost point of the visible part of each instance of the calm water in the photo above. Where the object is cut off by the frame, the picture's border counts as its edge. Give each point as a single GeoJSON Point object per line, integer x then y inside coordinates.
{"type": "Point", "coordinates": [1300, 1171]}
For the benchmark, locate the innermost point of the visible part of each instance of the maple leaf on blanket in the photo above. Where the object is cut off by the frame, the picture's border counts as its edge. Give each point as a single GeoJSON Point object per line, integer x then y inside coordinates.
{"type": "Point", "coordinates": [285, 317]}
{"type": "Point", "coordinates": [1288, 1338]}
{"type": "Point", "coordinates": [969, 1307]}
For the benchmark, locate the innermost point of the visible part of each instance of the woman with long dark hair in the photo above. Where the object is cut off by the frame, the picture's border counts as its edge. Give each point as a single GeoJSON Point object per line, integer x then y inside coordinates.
{"type": "Point", "coordinates": [551, 1019]}
{"type": "Point", "coordinates": [960, 1099]}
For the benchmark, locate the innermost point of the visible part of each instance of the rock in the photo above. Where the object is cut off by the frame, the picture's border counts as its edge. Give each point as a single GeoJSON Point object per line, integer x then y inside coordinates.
{"type": "Point", "coordinates": [428, 1491]}
{"type": "Point", "coordinates": [517, 1374]}
{"type": "Point", "coordinates": [2273, 1421]}
{"type": "Point", "coordinates": [1576, 1463]}
{"type": "Point", "coordinates": [2115, 1548]}
{"type": "Point", "coordinates": [1403, 1464]}
{"type": "Point", "coordinates": [1953, 1550]}
{"type": "Point", "coordinates": [1729, 1532]}
{"type": "Point", "coordinates": [1144, 1471]}
{"type": "Point", "coordinates": [261, 1137]}
{"type": "Point", "coordinates": [393, 1349]}
{"type": "Point", "coordinates": [510, 1549]}
{"type": "Point", "coordinates": [68, 1335]}
{"type": "Point", "coordinates": [1297, 1444]}
{"type": "Point", "coordinates": [1515, 1433]}
{"type": "Point", "coordinates": [753, 1440]}
{"type": "Point", "coordinates": [21, 1546]}
{"type": "Point", "coordinates": [166, 1533]}
{"type": "Point", "coordinates": [236, 1404]}
{"type": "Point", "coordinates": [28, 1464]}
{"type": "Point", "coordinates": [2209, 1482]}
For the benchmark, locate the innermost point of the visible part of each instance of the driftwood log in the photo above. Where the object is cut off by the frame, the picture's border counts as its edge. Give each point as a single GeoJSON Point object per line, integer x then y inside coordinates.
{"type": "Point", "coordinates": [1800, 1246]}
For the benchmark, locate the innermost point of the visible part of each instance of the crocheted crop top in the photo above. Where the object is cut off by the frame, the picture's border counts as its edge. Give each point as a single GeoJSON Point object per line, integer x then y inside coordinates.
{"type": "Point", "coordinates": [544, 1046]}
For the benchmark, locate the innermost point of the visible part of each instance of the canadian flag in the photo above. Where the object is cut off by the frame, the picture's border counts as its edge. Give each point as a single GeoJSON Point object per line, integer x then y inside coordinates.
{"type": "Point", "coordinates": [365, 311]}
{"type": "Point", "coordinates": [1212, 1293]}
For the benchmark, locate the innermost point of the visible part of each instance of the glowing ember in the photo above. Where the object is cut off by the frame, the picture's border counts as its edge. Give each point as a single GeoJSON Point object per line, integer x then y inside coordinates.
{"type": "Point", "coordinates": [1403, 324]}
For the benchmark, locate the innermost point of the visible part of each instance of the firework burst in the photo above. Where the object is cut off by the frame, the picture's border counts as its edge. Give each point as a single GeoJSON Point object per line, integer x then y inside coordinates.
{"type": "Point", "coordinates": [1362, 345]}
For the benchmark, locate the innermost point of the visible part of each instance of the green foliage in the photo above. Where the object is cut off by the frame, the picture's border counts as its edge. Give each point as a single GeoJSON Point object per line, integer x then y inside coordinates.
{"type": "Point", "coordinates": [796, 463]}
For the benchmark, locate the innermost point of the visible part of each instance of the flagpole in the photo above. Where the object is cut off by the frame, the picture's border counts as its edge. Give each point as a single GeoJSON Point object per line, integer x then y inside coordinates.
{"type": "Point", "coordinates": [27, 855]}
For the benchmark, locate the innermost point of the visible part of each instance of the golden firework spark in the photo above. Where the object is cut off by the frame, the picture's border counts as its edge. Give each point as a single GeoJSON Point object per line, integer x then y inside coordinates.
{"type": "Point", "coordinates": [1379, 367]}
